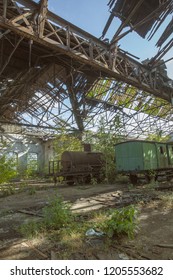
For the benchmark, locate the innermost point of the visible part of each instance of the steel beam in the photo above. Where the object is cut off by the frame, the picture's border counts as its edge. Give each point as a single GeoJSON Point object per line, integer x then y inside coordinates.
{"type": "Point", "coordinates": [62, 37]}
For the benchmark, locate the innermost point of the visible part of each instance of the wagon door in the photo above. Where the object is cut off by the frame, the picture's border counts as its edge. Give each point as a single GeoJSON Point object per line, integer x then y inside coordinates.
{"type": "Point", "coordinates": [170, 153]}
{"type": "Point", "coordinates": [149, 156]}
{"type": "Point", "coordinates": [162, 156]}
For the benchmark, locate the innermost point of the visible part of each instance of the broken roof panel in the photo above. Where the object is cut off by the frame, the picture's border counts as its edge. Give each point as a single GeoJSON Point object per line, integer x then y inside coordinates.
{"type": "Point", "coordinates": [141, 15]}
{"type": "Point", "coordinates": [41, 85]}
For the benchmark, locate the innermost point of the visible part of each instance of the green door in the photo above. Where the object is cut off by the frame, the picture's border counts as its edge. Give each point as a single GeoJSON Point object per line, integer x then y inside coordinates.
{"type": "Point", "coordinates": [150, 156]}
{"type": "Point", "coordinates": [162, 155]}
{"type": "Point", "coordinates": [170, 154]}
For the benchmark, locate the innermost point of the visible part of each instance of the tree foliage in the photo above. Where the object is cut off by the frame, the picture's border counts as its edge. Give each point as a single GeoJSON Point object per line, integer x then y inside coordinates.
{"type": "Point", "coordinates": [7, 169]}
{"type": "Point", "coordinates": [66, 142]}
{"type": "Point", "coordinates": [158, 136]}
{"type": "Point", "coordinates": [104, 141]}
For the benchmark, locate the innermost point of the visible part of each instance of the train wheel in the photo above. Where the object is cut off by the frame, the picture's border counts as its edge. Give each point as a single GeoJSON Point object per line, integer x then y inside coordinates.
{"type": "Point", "coordinates": [70, 181]}
{"type": "Point", "coordinates": [156, 177]}
{"type": "Point", "coordinates": [147, 178]}
{"type": "Point", "coordinates": [80, 180]}
{"type": "Point", "coordinates": [133, 179]}
{"type": "Point", "coordinates": [88, 179]}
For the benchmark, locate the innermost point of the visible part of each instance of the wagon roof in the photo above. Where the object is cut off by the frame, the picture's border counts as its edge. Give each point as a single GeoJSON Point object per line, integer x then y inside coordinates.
{"type": "Point", "coordinates": [144, 141]}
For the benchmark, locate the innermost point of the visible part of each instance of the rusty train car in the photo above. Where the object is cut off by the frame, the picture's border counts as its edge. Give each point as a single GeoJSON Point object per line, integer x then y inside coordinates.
{"type": "Point", "coordinates": [134, 158]}
{"type": "Point", "coordinates": [78, 167]}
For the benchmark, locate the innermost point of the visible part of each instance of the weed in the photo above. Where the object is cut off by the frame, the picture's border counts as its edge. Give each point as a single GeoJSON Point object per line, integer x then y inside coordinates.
{"type": "Point", "coordinates": [30, 229]}
{"type": "Point", "coordinates": [152, 185]}
{"type": "Point", "coordinates": [57, 214]}
{"type": "Point", "coordinates": [93, 181]}
{"type": "Point", "coordinates": [166, 200]}
{"type": "Point", "coordinates": [6, 191]}
{"type": "Point", "coordinates": [7, 169]}
{"type": "Point", "coordinates": [130, 187]}
{"type": "Point", "coordinates": [32, 191]}
{"type": "Point", "coordinates": [120, 222]}
{"type": "Point", "coordinates": [5, 212]}
{"type": "Point", "coordinates": [71, 238]}
{"type": "Point", "coordinates": [23, 185]}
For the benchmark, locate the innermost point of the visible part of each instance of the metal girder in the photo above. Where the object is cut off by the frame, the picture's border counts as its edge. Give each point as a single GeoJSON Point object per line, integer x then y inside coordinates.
{"type": "Point", "coordinates": [42, 16]}
{"type": "Point", "coordinates": [61, 76]}
{"type": "Point", "coordinates": [5, 8]}
{"type": "Point", "coordinates": [140, 16]}
{"type": "Point", "coordinates": [74, 43]}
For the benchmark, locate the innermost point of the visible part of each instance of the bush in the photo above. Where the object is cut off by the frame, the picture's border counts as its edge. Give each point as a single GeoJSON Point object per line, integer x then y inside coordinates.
{"type": "Point", "coordinates": [7, 170]}
{"type": "Point", "coordinates": [121, 222]}
{"type": "Point", "coordinates": [30, 229]}
{"type": "Point", "coordinates": [57, 214]}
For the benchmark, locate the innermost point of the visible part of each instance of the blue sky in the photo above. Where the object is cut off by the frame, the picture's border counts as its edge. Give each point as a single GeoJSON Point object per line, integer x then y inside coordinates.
{"type": "Point", "coordinates": [91, 15]}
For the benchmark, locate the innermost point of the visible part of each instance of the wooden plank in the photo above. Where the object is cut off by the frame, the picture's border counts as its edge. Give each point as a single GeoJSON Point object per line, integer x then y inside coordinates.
{"type": "Point", "coordinates": [164, 245]}
{"type": "Point", "coordinates": [29, 213]}
{"type": "Point", "coordinates": [39, 252]}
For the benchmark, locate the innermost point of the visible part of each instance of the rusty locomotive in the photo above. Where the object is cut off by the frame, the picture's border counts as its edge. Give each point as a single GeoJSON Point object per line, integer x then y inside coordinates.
{"type": "Point", "coordinates": [78, 167]}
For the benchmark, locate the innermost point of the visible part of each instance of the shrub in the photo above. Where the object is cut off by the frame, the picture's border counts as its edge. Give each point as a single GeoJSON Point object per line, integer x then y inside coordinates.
{"type": "Point", "coordinates": [7, 169]}
{"type": "Point", "coordinates": [30, 229]}
{"type": "Point", "coordinates": [57, 214]}
{"type": "Point", "coordinates": [121, 221]}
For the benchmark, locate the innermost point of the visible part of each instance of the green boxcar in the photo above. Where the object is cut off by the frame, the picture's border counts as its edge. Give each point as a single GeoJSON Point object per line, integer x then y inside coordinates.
{"type": "Point", "coordinates": [138, 156]}
{"type": "Point", "coordinates": [170, 153]}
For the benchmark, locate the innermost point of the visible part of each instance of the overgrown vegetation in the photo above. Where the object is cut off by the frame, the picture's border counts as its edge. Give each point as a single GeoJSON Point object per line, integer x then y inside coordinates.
{"type": "Point", "coordinates": [158, 136]}
{"type": "Point", "coordinates": [64, 142]}
{"type": "Point", "coordinates": [7, 190]}
{"type": "Point", "coordinates": [121, 222]}
{"type": "Point", "coordinates": [56, 215]}
{"type": "Point", "coordinates": [31, 171]}
{"type": "Point", "coordinates": [104, 141]}
{"type": "Point", "coordinates": [7, 169]}
{"type": "Point", "coordinates": [58, 220]}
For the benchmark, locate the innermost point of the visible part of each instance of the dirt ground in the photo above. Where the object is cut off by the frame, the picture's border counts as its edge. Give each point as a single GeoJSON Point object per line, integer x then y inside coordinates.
{"type": "Point", "coordinates": [154, 239]}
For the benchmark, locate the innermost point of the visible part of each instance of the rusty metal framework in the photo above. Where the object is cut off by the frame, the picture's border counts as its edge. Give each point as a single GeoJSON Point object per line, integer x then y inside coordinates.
{"type": "Point", "coordinates": [144, 17]}
{"type": "Point", "coordinates": [54, 75]}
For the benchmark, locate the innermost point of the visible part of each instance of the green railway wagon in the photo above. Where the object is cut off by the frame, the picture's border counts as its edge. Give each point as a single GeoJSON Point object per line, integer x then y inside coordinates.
{"type": "Point", "coordinates": [170, 153]}
{"type": "Point", "coordinates": [135, 157]}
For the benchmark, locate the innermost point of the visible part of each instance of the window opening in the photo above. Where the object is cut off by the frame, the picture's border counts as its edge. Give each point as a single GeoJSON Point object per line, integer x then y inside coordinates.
{"type": "Point", "coordinates": [32, 161]}
{"type": "Point", "coordinates": [161, 150]}
{"type": "Point", "coordinates": [13, 158]}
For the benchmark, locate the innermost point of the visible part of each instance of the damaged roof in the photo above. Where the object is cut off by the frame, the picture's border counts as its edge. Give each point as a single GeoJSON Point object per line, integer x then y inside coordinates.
{"type": "Point", "coordinates": [54, 77]}
{"type": "Point", "coordinates": [142, 16]}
